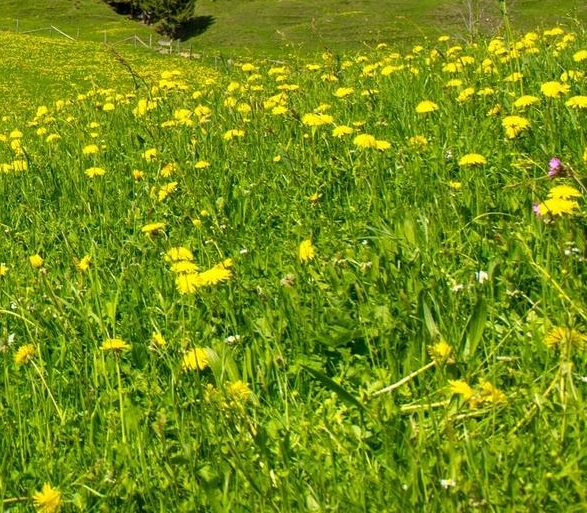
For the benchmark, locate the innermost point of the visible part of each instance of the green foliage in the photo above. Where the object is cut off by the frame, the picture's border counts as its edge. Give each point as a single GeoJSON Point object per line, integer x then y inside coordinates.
{"type": "Point", "coordinates": [168, 16]}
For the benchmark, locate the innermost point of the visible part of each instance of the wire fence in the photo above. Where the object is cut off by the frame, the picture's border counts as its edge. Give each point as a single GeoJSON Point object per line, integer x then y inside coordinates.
{"type": "Point", "coordinates": [163, 46]}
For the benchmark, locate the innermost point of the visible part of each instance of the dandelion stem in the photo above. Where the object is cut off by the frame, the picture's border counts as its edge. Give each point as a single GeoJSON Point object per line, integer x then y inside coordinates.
{"type": "Point", "coordinates": [406, 379]}
{"type": "Point", "coordinates": [40, 374]}
{"type": "Point", "coordinates": [120, 402]}
{"type": "Point", "coordinates": [12, 500]}
{"type": "Point", "coordinates": [408, 408]}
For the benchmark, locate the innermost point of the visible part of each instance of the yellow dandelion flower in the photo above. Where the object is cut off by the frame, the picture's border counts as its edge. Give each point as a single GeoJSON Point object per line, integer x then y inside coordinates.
{"type": "Point", "coordinates": [114, 344]}
{"type": "Point", "coordinates": [186, 283]}
{"type": "Point", "coordinates": [195, 359]}
{"type": "Point", "coordinates": [243, 108]}
{"type": "Point", "coordinates": [455, 82]}
{"type": "Point", "coordinates": [166, 190]}
{"type": "Point", "coordinates": [559, 336]}
{"type": "Point", "coordinates": [472, 159]}
{"type": "Point", "coordinates": [51, 138]}
{"type": "Point", "coordinates": [178, 254]}
{"type": "Point", "coordinates": [314, 198]}
{"type": "Point", "coordinates": [554, 89]}
{"type": "Point", "coordinates": [564, 192]}
{"type": "Point", "coordinates": [455, 186]}
{"type": "Point", "coordinates": [342, 130]}
{"type": "Point", "coordinates": [515, 125]}
{"type": "Point", "coordinates": [150, 154]}
{"type": "Point", "coordinates": [153, 228]}
{"type": "Point", "coordinates": [490, 394]}
{"type": "Point", "coordinates": [92, 172]}
{"type": "Point", "coordinates": [16, 134]}
{"type": "Point", "coordinates": [440, 352]}
{"type": "Point", "coordinates": [462, 388]}
{"type": "Point", "coordinates": [572, 75]}
{"type": "Point", "coordinates": [90, 149]}
{"type": "Point", "coordinates": [3, 270]}
{"type": "Point", "coordinates": [84, 263]}
{"type": "Point", "coordinates": [329, 77]}
{"type": "Point", "coordinates": [365, 141]}
{"type": "Point", "coordinates": [231, 134]}
{"type": "Point", "coordinates": [426, 106]}
{"type": "Point", "coordinates": [452, 67]}
{"type": "Point", "coordinates": [316, 119]}
{"type": "Point", "coordinates": [48, 500]}
{"type": "Point", "coordinates": [579, 56]}
{"type": "Point", "coordinates": [343, 92]}
{"type": "Point", "coordinates": [36, 261]}
{"type": "Point", "coordinates": [486, 91]}
{"type": "Point", "coordinates": [239, 391]}
{"type": "Point", "coordinates": [184, 267]}
{"type": "Point", "coordinates": [577, 102]}
{"type": "Point", "coordinates": [557, 207]}
{"type": "Point", "coordinates": [137, 174]}
{"type": "Point", "coordinates": [277, 70]}
{"type": "Point", "coordinates": [41, 111]}
{"type": "Point", "coordinates": [418, 142]}
{"type": "Point", "coordinates": [382, 145]}
{"type": "Point", "coordinates": [24, 354]}
{"type": "Point", "coordinates": [202, 111]}
{"type": "Point", "coordinates": [217, 274]}
{"type": "Point", "coordinates": [202, 164]}
{"type": "Point", "coordinates": [279, 110]}
{"type": "Point", "coordinates": [306, 251]}
{"type": "Point", "coordinates": [525, 101]}
{"type": "Point", "coordinates": [19, 165]}
{"type": "Point", "coordinates": [168, 169]}
{"type": "Point", "coordinates": [158, 339]}
{"type": "Point", "coordinates": [248, 67]}
{"type": "Point", "coordinates": [514, 77]}
{"type": "Point", "coordinates": [465, 94]}
{"type": "Point", "coordinates": [230, 102]}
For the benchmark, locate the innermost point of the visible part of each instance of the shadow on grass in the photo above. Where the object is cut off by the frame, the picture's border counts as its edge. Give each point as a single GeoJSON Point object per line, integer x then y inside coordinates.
{"type": "Point", "coordinates": [194, 27]}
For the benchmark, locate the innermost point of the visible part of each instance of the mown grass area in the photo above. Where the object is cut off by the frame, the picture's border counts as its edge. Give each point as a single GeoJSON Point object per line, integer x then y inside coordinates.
{"type": "Point", "coordinates": [270, 27]}
{"type": "Point", "coordinates": [352, 281]}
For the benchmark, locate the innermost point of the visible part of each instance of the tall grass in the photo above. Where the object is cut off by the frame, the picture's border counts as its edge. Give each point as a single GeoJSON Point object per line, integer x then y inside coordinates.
{"type": "Point", "coordinates": [348, 283]}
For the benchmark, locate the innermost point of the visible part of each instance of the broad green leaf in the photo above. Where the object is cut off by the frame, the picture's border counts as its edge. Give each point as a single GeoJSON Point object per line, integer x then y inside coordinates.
{"type": "Point", "coordinates": [335, 387]}
{"type": "Point", "coordinates": [474, 329]}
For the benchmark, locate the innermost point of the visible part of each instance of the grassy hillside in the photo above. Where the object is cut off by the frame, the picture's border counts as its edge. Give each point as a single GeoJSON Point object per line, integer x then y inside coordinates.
{"type": "Point", "coordinates": [353, 281]}
{"type": "Point", "coordinates": [304, 25]}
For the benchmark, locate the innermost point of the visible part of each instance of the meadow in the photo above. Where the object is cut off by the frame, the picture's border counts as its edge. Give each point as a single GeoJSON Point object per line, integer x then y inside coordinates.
{"type": "Point", "coordinates": [340, 282]}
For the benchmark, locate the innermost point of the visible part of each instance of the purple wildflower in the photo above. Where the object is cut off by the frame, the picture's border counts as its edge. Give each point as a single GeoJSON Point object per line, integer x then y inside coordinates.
{"type": "Point", "coordinates": [555, 167]}
{"type": "Point", "coordinates": [536, 209]}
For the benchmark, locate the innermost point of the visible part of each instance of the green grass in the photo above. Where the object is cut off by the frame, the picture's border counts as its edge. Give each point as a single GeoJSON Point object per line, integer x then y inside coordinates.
{"type": "Point", "coordinates": [378, 321]}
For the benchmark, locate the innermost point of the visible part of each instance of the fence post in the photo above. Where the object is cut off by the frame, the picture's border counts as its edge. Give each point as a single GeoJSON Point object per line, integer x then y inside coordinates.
{"type": "Point", "coordinates": [16, 25]}
{"type": "Point", "coordinates": [105, 37]}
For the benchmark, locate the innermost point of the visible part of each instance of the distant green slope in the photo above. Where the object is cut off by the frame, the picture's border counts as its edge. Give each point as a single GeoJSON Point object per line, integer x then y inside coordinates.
{"type": "Point", "coordinates": [267, 26]}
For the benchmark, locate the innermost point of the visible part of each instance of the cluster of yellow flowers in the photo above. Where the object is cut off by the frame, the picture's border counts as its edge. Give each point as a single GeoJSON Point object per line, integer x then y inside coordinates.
{"type": "Point", "coordinates": [188, 277]}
